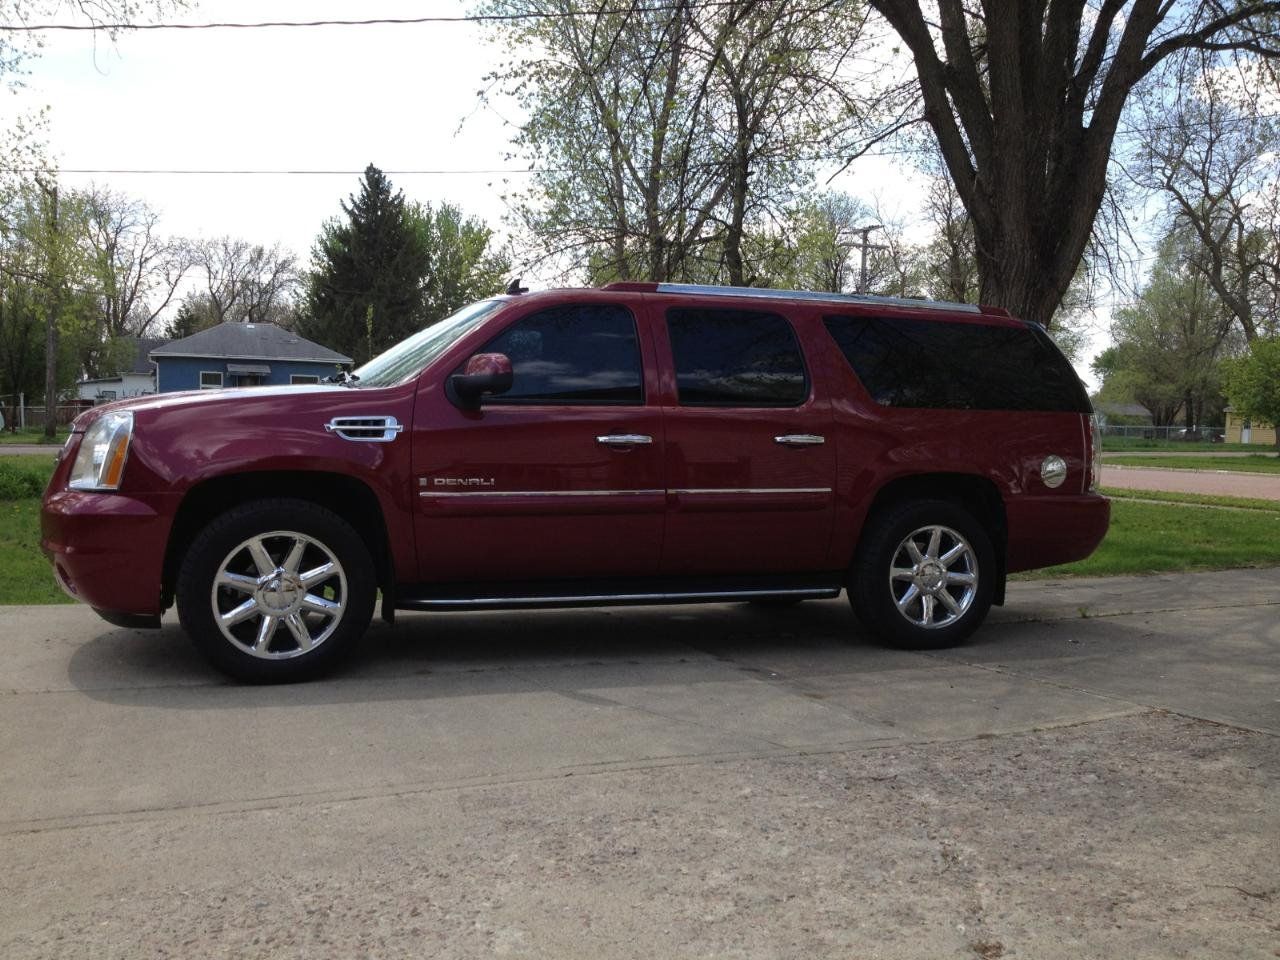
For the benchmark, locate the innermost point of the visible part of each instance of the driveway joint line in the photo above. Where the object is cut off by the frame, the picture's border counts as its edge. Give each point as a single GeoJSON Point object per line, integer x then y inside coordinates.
{"type": "Point", "coordinates": [88, 821]}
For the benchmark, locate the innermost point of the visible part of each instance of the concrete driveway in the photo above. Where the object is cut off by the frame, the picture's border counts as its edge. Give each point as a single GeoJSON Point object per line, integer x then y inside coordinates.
{"type": "Point", "coordinates": [1094, 776]}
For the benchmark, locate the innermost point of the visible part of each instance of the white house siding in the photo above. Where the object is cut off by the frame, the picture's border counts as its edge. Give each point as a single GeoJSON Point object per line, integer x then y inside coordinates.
{"type": "Point", "coordinates": [127, 385]}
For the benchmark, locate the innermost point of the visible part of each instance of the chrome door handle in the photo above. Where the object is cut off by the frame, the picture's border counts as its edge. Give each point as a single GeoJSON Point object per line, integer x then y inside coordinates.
{"type": "Point", "coordinates": [800, 440]}
{"type": "Point", "coordinates": [625, 440]}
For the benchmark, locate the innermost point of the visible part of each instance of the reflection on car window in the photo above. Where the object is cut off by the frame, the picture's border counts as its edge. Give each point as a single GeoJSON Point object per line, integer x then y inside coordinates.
{"type": "Point", "coordinates": [410, 356]}
{"type": "Point", "coordinates": [736, 358]}
{"type": "Point", "coordinates": [582, 353]}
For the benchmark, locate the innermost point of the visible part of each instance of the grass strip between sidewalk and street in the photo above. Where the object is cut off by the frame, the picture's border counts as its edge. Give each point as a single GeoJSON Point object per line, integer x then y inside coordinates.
{"type": "Point", "coordinates": [1193, 499]}
{"type": "Point", "coordinates": [1175, 447]}
{"type": "Point", "coordinates": [32, 437]}
{"type": "Point", "coordinates": [1258, 463]}
{"type": "Point", "coordinates": [1175, 534]}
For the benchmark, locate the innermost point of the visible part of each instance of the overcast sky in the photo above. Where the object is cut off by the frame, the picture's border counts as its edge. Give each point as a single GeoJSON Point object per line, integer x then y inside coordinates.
{"type": "Point", "coordinates": [326, 98]}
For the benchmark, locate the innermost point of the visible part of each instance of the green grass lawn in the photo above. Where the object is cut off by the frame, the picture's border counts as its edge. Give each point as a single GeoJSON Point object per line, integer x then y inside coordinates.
{"type": "Point", "coordinates": [32, 436]}
{"type": "Point", "coordinates": [1258, 463]}
{"type": "Point", "coordinates": [1169, 537]}
{"type": "Point", "coordinates": [25, 575]}
{"type": "Point", "coordinates": [1174, 446]}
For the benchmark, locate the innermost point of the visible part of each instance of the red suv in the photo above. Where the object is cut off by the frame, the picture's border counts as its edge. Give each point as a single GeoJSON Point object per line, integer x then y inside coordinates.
{"type": "Point", "coordinates": [640, 443]}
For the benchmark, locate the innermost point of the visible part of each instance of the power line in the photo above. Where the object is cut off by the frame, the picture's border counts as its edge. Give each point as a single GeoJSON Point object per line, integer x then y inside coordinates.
{"type": "Point", "coordinates": [270, 173]}
{"type": "Point", "coordinates": [372, 22]}
{"type": "Point", "coordinates": [304, 172]}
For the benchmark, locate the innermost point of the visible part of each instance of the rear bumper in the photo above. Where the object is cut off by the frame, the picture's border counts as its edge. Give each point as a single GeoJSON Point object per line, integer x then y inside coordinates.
{"type": "Point", "coordinates": [1049, 530]}
{"type": "Point", "coordinates": [107, 549]}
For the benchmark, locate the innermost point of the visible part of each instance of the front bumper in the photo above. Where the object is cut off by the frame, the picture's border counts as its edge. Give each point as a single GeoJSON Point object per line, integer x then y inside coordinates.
{"type": "Point", "coordinates": [1045, 531]}
{"type": "Point", "coordinates": [107, 549]}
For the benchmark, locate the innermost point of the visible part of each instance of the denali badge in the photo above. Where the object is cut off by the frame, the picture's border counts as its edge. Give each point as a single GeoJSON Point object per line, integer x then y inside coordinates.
{"type": "Point", "coordinates": [460, 481]}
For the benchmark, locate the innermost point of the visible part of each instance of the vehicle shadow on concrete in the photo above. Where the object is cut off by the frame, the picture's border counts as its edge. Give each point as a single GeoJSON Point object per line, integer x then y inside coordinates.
{"type": "Point", "coordinates": [427, 656]}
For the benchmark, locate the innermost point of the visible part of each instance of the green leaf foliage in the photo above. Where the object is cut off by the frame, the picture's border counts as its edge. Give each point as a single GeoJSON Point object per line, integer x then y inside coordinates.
{"type": "Point", "coordinates": [388, 267]}
{"type": "Point", "coordinates": [1253, 382]}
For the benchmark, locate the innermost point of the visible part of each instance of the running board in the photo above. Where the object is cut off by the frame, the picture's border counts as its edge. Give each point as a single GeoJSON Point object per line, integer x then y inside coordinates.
{"type": "Point", "coordinates": [601, 593]}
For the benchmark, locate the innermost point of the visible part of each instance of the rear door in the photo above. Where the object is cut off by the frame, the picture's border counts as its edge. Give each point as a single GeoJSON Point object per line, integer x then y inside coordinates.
{"type": "Point", "coordinates": [749, 460]}
{"type": "Point", "coordinates": [560, 477]}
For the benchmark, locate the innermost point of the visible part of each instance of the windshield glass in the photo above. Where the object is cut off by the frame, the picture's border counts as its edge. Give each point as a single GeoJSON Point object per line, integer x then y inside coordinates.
{"type": "Point", "coordinates": [409, 356]}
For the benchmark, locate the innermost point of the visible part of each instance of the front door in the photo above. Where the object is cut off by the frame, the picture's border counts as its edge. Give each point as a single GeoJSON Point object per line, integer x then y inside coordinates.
{"type": "Point", "coordinates": [750, 458]}
{"type": "Point", "coordinates": [562, 476]}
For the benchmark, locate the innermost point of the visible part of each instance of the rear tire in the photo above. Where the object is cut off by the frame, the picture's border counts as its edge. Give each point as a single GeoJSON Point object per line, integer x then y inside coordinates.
{"type": "Point", "coordinates": [276, 591]}
{"type": "Point", "coordinates": [924, 575]}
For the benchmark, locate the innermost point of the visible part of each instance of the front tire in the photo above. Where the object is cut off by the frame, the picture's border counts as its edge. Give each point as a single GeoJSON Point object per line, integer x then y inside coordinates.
{"type": "Point", "coordinates": [275, 591]}
{"type": "Point", "coordinates": [924, 575]}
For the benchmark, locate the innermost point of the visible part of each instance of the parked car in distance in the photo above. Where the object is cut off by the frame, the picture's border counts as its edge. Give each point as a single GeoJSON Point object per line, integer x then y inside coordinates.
{"type": "Point", "coordinates": [637, 443]}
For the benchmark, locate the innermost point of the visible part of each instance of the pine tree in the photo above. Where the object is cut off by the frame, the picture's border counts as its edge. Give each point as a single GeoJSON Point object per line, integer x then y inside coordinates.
{"type": "Point", "coordinates": [367, 285]}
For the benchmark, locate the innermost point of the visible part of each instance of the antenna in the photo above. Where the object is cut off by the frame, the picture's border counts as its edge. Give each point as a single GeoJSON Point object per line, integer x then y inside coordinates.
{"type": "Point", "coordinates": [514, 288]}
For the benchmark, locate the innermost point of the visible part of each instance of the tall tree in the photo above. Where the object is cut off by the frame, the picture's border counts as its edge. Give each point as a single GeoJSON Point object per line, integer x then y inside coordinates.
{"type": "Point", "coordinates": [1024, 99]}
{"type": "Point", "coordinates": [1210, 152]}
{"type": "Point", "coordinates": [1169, 343]}
{"type": "Point", "coordinates": [663, 136]}
{"type": "Point", "coordinates": [822, 232]}
{"type": "Point", "coordinates": [461, 267]}
{"type": "Point", "coordinates": [136, 271]}
{"type": "Point", "coordinates": [389, 267]}
{"type": "Point", "coordinates": [244, 282]}
{"type": "Point", "coordinates": [365, 289]}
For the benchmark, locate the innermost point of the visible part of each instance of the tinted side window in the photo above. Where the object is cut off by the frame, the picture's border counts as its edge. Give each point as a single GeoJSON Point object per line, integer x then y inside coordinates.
{"type": "Point", "coordinates": [736, 358]}
{"type": "Point", "coordinates": [958, 366]}
{"type": "Point", "coordinates": [582, 353]}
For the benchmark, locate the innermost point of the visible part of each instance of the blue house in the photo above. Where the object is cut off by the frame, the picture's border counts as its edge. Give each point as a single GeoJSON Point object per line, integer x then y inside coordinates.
{"type": "Point", "coordinates": [242, 355]}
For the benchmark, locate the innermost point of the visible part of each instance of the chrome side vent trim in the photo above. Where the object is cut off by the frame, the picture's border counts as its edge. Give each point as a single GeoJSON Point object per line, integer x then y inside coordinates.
{"type": "Point", "coordinates": [370, 429]}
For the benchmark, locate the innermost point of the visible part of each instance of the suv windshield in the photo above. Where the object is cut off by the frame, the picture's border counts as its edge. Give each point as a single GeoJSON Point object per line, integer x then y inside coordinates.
{"type": "Point", "coordinates": [410, 355]}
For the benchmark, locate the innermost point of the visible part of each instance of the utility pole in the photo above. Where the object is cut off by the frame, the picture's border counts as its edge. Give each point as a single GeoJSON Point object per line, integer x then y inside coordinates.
{"type": "Point", "coordinates": [54, 309]}
{"type": "Point", "coordinates": [866, 245]}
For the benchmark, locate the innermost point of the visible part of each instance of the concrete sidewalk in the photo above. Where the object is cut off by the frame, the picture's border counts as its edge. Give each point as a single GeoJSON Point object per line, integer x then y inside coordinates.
{"type": "Point", "coordinates": [1093, 776]}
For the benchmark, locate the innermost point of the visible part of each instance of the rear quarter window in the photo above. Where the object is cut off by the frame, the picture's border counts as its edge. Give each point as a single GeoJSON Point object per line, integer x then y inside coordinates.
{"type": "Point", "coordinates": [958, 366]}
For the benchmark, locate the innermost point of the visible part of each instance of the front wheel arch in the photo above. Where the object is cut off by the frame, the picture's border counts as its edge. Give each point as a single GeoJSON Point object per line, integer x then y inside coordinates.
{"type": "Point", "coordinates": [343, 495]}
{"type": "Point", "coordinates": [276, 590]}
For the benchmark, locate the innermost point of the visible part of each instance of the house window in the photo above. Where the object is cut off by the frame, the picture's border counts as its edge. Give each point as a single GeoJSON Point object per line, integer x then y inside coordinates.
{"type": "Point", "coordinates": [303, 378]}
{"type": "Point", "coordinates": [210, 379]}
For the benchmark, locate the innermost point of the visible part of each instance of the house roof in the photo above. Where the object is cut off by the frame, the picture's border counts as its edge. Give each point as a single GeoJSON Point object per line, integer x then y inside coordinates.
{"type": "Point", "coordinates": [248, 341]}
{"type": "Point", "coordinates": [139, 362]}
{"type": "Point", "coordinates": [142, 353]}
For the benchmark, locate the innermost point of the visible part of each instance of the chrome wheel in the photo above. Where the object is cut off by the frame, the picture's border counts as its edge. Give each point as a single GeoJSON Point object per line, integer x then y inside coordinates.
{"type": "Point", "coordinates": [933, 577]}
{"type": "Point", "coordinates": [279, 595]}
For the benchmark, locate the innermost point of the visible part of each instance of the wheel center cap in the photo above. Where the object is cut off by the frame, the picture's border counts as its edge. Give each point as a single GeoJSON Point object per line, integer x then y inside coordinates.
{"type": "Point", "coordinates": [931, 577]}
{"type": "Point", "coordinates": [281, 595]}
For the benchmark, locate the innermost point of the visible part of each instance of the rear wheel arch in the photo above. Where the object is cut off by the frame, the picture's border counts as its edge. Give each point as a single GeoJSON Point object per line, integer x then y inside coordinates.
{"type": "Point", "coordinates": [346, 496]}
{"type": "Point", "coordinates": [976, 494]}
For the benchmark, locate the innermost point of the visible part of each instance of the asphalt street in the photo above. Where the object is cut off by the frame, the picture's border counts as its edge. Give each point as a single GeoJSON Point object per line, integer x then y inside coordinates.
{"type": "Point", "coordinates": [1093, 776]}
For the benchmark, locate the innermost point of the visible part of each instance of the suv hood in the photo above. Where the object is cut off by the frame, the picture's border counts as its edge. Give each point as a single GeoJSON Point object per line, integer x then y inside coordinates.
{"type": "Point", "coordinates": [213, 399]}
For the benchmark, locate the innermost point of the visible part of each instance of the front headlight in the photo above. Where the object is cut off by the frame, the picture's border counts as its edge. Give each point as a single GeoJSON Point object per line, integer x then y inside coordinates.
{"type": "Point", "coordinates": [100, 463]}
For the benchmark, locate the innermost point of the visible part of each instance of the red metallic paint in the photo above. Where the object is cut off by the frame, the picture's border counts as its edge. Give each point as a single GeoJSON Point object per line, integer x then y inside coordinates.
{"type": "Point", "coordinates": [626, 511]}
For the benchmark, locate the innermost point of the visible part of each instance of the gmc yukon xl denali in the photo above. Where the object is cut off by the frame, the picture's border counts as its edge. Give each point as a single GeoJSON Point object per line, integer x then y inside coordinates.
{"type": "Point", "coordinates": [638, 443]}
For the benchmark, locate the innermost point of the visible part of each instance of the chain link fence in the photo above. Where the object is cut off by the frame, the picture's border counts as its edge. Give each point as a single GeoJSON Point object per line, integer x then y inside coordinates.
{"type": "Point", "coordinates": [1147, 432]}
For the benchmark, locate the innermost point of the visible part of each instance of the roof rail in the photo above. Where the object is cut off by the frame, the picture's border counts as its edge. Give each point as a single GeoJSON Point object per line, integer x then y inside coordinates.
{"type": "Point", "coordinates": [707, 290]}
